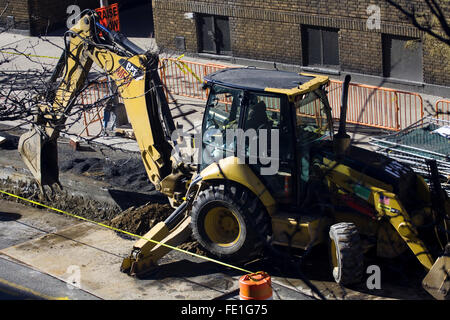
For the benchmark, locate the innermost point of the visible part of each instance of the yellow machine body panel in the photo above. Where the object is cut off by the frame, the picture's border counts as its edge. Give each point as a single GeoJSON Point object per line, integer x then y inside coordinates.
{"type": "Point", "coordinates": [386, 203]}
{"type": "Point", "coordinates": [299, 232]}
{"type": "Point", "coordinates": [309, 86]}
{"type": "Point", "coordinates": [132, 90]}
{"type": "Point", "coordinates": [231, 169]}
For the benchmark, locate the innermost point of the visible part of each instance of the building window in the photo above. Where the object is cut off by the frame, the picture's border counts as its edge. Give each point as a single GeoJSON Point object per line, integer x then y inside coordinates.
{"type": "Point", "coordinates": [213, 34]}
{"type": "Point", "coordinates": [399, 54]}
{"type": "Point", "coordinates": [320, 46]}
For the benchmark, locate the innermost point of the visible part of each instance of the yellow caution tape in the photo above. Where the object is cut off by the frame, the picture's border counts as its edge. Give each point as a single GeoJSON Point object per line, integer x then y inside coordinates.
{"type": "Point", "coordinates": [28, 55]}
{"type": "Point", "coordinates": [126, 232]}
{"type": "Point", "coordinates": [184, 67]}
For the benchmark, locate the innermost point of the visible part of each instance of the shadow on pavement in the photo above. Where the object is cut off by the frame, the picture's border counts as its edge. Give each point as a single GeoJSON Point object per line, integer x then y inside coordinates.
{"type": "Point", "coordinates": [9, 216]}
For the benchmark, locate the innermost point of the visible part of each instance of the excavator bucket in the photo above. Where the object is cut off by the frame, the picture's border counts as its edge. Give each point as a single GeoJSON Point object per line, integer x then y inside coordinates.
{"type": "Point", "coordinates": [437, 281]}
{"type": "Point", "coordinates": [40, 155]}
{"type": "Point", "coordinates": [145, 255]}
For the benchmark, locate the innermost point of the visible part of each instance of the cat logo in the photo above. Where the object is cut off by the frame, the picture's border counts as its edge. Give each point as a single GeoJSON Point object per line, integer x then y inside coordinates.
{"type": "Point", "coordinates": [128, 70]}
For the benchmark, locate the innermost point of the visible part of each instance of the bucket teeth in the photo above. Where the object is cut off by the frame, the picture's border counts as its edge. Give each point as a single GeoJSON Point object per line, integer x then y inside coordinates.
{"type": "Point", "coordinates": [138, 266]}
{"type": "Point", "coordinates": [40, 154]}
{"type": "Point", "coordinates": [437, 281]}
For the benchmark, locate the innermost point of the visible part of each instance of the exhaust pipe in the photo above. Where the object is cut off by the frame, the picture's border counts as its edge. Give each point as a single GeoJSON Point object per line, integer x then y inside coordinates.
{"type": "Point", "coordinates": [342, 139]}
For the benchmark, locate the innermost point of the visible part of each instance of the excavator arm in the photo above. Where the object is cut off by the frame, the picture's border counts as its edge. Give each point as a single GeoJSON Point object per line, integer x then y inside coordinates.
{"type": "Point", "coordinates": [135, 73]}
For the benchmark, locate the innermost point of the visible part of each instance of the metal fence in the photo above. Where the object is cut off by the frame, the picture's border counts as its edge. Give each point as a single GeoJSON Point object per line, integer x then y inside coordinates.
{"type": "Point", "coordinates": [367, 105]}
{"type": "Point", "coordinates": [443, 110]}
{"type": "Point", "coordinates": [185, 78]}
{"type": "Point", "coordinates": [377, 107]}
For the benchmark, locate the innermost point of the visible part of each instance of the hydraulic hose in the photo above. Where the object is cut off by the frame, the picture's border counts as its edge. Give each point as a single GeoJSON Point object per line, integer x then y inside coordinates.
{"type": "Point", "coordinates": [121, 40]}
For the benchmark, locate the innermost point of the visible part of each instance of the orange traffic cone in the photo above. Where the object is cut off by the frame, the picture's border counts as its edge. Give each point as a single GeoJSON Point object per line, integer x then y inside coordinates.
{"type": "Point", "coordinates": [255, 286]}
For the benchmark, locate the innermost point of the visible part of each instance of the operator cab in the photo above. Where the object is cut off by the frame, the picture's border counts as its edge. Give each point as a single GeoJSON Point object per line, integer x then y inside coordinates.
{"type": "Point", "coordinates": [269, 119]}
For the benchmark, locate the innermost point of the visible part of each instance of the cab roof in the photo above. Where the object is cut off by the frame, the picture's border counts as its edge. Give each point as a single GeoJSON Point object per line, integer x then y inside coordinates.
{"type": "Point", "coordinates": [284, 82]}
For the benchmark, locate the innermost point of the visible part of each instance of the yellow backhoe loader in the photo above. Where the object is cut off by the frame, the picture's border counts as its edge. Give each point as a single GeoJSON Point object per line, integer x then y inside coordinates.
{"type": "Point", "coordinates": [270, 169]}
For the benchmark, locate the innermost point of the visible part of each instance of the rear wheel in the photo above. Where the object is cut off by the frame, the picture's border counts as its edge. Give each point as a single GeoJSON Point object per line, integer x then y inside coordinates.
{"type": "Point", "coordinates": [230, 222]}
{"type": "Point", "coordinates": [346, 254]}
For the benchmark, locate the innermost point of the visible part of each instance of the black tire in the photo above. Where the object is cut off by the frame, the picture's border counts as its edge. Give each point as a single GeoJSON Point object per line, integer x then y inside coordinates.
{"type": "Point", "coordinates": [236, 203]}
{"type": "Point", "coordinates": [348, 263]}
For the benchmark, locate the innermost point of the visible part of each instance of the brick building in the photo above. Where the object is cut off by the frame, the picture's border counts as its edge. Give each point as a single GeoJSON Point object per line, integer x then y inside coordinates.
{"type": "Point", "coordinates": [37, 17]}
{"type": "Point", "coordinates": [330, 37]}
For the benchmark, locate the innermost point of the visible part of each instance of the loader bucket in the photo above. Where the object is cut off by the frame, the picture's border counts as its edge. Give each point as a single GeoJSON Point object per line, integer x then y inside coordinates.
{"type": "Point", "coordinates": [40, 155]}
{"type": "Point", "coordinates": [437, 281]}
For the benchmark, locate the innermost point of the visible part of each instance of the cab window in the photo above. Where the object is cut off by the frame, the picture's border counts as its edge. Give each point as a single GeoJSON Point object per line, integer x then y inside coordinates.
{"type": "Point", "coordinates": [222, 113]}
{"type": "Point", "coordinates": [312, 122]}
{"type": "Point", "coordinates": [266, 115]}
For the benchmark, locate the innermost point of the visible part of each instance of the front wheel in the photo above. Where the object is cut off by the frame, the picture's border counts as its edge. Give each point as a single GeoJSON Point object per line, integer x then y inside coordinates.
{"type": "Point", "coordinates": [230, 223]}
{"type": "Point", "coordinates": [346, 255]}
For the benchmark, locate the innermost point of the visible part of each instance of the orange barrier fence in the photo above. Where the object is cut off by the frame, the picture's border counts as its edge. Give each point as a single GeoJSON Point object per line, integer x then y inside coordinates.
{"type": "Point", "coordinates": [90, 96]}
{"type": "Point", "coordinates": [443, 110]}
{"type": "Point", "coordinates": [367, 105]}
{"type": "Point", "coordinates": [178, 76]}
{"type": "Point", "coordinates": [376, 106]}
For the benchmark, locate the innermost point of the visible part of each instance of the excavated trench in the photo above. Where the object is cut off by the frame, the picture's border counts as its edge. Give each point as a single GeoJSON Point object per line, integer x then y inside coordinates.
{"type": "Point", "coordinates": [137, 220]}
{"type": "Point", "coordinates": [137, 208]}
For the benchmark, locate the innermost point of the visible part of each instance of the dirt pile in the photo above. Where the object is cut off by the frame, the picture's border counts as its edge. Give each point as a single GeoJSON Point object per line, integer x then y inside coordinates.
{"type": "Point", "coordinates": [123, 171]}
{"type": "Point", "coordinates": [81, 206]}
{"type": "Point", "coordinates": [139, 220]}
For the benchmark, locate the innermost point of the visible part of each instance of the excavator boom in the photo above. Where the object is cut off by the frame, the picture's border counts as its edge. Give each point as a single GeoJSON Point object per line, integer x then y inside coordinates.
{"type": "Point", "coordinates": [135, 73]}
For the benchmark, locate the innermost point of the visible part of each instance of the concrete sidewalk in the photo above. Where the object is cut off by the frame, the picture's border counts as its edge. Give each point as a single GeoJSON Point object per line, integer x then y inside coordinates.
{"type": "Point", "coordinates": [39, 251]}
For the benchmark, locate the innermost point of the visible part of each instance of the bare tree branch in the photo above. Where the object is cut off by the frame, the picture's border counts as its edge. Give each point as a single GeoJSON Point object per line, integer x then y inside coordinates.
{"type": "Point", "coordinates": [440, 32]}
